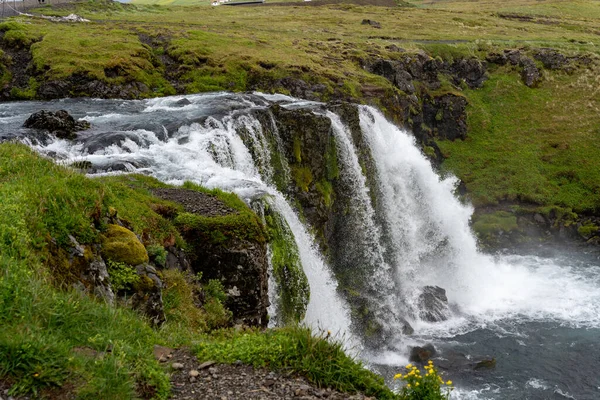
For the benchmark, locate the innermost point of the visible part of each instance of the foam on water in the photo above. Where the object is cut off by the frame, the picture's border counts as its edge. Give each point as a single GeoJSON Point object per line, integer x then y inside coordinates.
{"type": "Point", "coordinates": [435, 246]}
{"type": "Point", "coordinates": [213, 154]}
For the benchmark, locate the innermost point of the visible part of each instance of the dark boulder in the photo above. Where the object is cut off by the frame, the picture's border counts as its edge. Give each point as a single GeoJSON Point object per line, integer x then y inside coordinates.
{"type": "Point", "coordinates": [422, 354]}
{"type": "Point", "coordinates": [454, 361]}
{"type": "Point", "coordinates": [374, 24]}
{"type": "Point", "coordinates": [59, 123]}
{"type": "Point", "coordinates": [446, 115]}
{"type": "Point", "coordinates": [551, 58]}
{"type": "Point", "coordinates": [433, 304]}
{"type": "Point", "coordinates": [471, 71]}
{"type": "Point", "coordinates": [513, 56]}
{"type": "Point", "coordinates": [148, 296]}
{"type": "Point", "coordinates": [530, 74]}
{"type": "Point", "coordinates": [497, 58]}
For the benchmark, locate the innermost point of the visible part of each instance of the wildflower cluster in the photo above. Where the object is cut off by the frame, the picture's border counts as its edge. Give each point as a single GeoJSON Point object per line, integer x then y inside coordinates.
{"type": "Point", "coordinates": [430, 386]}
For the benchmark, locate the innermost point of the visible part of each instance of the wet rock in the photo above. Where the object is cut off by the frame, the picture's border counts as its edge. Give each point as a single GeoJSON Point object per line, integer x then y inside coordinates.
{"type": "Point", "coordinates": [59, 123]}
{"type": "Point", "coordinates": [460, 362]}
{"type": "Point", "coordinates": [422, 354]}
{"type": "Point", "coordinates": [183, 102]}
{"type": "Point", "coordinates": [374, 24]}
{"type": "Point", "coordinates": [530, 74]}
{"type": "Point", "coordinates": [433, 304]}
{"type": "Point", "coordinates": [489, 363]}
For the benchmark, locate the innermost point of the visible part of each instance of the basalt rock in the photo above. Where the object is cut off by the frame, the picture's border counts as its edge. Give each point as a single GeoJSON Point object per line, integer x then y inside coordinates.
{"type": "Point", "coordinates": [422, 354]}
{"type": "Point", "coordinates": [148, 294]}
{"type": "Point", "coordinates": [230, 248]}
{"type": "Point", "coordinates": [433, 304]}
{"type": "Point", "coordinates": [530, 74]}
{"type": "Point", "coordinates": [59, 123]}
{"type": "Point", "coordinates": [446, 116]}
{"type": "Point", "coordinates": [81, 267]}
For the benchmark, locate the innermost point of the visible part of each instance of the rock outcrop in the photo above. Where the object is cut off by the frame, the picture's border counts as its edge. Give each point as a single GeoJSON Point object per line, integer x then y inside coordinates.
{"type": "Point", "coordinates": [227, 244]}
{"type": "Point", "coordinates": [59, 123]}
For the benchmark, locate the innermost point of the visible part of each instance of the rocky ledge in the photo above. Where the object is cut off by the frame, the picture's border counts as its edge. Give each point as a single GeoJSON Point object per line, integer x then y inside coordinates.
{"type": "Point", "coordinates": [194, 380]}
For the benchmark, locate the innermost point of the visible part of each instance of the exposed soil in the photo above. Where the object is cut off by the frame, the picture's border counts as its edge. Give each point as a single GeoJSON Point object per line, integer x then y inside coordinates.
{"type": "Point", "coordinates": [195, 202]}
{"type": "Point", "coordinates": [210, 381]}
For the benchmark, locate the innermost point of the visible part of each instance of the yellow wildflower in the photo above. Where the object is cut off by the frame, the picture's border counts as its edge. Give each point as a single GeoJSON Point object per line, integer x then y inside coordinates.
{"type": "Point", "coordinates": [409, 366]}
{"type": "Point", "coordinates": [397, 376]}
{"type": "Point", "coordinates": [408, 385]}
{"type": "Point", "coordinates": [430, 362]}
{"type": "Point", "coordinates": [417, 384]}
{"type": "Point", "coordinates": [449, 383]}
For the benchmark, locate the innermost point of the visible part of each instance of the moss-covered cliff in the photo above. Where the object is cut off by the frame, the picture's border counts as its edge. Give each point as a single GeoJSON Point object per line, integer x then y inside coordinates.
{"type": "Point", "coordinates": [94, 273]}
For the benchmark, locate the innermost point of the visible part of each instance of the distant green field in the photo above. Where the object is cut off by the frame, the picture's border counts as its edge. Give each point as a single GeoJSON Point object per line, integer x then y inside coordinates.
{"type": "Point", "coordinates": [543, 142]}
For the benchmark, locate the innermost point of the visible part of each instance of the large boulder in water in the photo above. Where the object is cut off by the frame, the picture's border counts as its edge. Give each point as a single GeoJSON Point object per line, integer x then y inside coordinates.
{"type": "Point", "coordinates": [421, 354]}
{"type": "Point", "coordinates": [433, 304]}
{"type": "Point", "coordinates": [59, 123]}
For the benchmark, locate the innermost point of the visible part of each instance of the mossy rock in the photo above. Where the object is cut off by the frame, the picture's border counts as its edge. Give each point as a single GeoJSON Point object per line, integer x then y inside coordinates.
{"type": "Point", "coordinates": [122, 246]}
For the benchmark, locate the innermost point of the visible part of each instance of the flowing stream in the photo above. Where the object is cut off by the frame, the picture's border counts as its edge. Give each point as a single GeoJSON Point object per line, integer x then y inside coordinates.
{"type": "Point", "coordinates": [537, 314]}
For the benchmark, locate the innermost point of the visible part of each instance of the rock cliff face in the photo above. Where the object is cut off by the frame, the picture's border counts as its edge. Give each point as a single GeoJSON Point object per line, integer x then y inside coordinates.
{"type": "Point", "coordinates": [221, 242]}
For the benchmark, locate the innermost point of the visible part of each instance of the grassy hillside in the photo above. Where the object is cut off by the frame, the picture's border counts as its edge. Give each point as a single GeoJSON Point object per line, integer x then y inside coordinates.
{"type": "Point", "coordinates": [532, 145]}
{"type": "Point", "coordinates": [55, 341]}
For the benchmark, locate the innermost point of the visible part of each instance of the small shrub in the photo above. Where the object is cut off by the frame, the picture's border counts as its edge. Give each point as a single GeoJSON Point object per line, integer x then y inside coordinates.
{"type": "Point", "coordinates": [158, 254]}
{"type": "Point", "coordinates": [122, 276]}
{"type": "Point", "coordinates": [430, 386]}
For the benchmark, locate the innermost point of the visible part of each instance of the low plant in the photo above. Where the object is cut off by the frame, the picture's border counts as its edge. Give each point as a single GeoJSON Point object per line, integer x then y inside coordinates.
{"type": "Point", "coordinates": [430, 386]}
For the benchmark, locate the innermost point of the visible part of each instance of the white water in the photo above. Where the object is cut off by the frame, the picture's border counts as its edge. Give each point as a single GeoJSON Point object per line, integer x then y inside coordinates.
{"type": "Point", "coordinates": [212, 154]}
{"type": "Point", "coordinates": [434, 246]}
{"type": "Point", "coordinates": [418, 233]}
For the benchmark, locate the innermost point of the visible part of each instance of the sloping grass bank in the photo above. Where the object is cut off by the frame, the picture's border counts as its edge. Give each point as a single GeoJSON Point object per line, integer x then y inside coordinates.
{"type": "Point", "coordinates": [59, 342]}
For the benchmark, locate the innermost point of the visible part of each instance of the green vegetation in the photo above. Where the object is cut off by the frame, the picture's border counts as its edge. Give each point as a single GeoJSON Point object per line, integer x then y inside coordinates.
{"type": "Point", "coordinates": [219, 230]}
{"type": "Point", "coordinates": [122, 246]}
{"type": "Point", "coordinates": [321, 359]}
{"type": "Point", "coordinates": [292, 283]}
{"type": "Point", "coordinates": [487, 226]}
{"type": "Point", "coordinates": [430, 386]}
{"type": "Point", "coordinates": [57, 341]}
{"type": "Point", "coordinates": [544, 157]}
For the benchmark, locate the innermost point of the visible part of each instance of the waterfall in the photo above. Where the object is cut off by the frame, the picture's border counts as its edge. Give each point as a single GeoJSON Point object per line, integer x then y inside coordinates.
{"type": "Point", "coordinates": [394, 225]}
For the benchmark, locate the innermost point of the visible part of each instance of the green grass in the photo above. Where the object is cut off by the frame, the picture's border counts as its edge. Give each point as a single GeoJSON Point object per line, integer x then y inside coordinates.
{"type": "Point", "coordinates": [321, 359]}
{"type": "Point", "coordinates": [542, 143]}
{"type": "Point", "coordinates": [55, 342]}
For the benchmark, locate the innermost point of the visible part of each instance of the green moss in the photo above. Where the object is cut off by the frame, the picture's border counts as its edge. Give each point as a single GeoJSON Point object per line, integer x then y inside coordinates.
{"type": "Point", "coordinates": [122, 276]}
{"type": "Point", "coordinates": [331, 161]}
{"type": "Point", "coordinates": [325, 188]}
{"type": "Point", "coordinates": [287, 269]}
{"type": "Point", "coordinates": [122, 246]}
{"type": "Point", "coordinates": [302, 177]}
{"type": "Point", "coordinates": [27, 93]}
{"type": "Point", "coordinates": [219, 230]}
{"type": "Point", "coordinates": [495, 223]}
{"type": "Point", "coordinates": [588, 230]}
{"type": "Point", "coordinates": [297, 149]}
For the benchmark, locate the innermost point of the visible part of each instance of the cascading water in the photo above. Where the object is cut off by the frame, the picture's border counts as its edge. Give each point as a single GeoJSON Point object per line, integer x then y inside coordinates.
{"type": "Point", "coordinates": [402, 227]}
